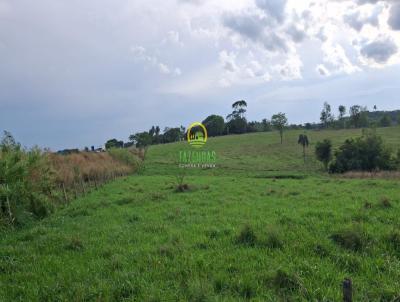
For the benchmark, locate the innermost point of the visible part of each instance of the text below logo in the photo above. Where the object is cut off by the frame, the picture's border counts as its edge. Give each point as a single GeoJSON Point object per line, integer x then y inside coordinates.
{"type": "Point", "coordinates": [197, 135]}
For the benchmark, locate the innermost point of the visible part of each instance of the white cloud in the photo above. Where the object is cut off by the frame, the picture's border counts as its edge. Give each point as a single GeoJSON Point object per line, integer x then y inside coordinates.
{"type": "Point", "coordinates": [227, 61]}
{"type": "Point", "coordinates": [334, 56]}
{"type": "Point", "coordinates": [141, 54]}
{"type": "Point", "coordinates": [164, 68]}
{"type": "Point", "coordinates": [291, 68]}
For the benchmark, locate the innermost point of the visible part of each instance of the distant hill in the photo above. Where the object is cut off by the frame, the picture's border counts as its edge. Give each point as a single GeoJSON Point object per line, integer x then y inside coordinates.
{"type": "Point", "coordinates": [377, 115]}
{"type": "Point", "coordinates": [258, 153]}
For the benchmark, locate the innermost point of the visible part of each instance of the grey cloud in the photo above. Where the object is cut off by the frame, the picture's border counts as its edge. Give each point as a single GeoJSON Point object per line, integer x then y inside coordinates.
{"type": "Point", "coordinates": [274, 8]}
{"type": "Point", "coordinates": [250, 26]}
{"type": "Point", "coordinates": [356, 21]}
{"type": "Point", "coordinates": [367, 1]}
{"type": "Point", "coordinates": [296, 34]}
{"type": "Point", "coordinates": [273, 42]}
{"type": "Point", "coordinates": [256, 29]}
{"type": "Point", "coordinates": [394, 19]}
{"type": "Point", "coordinates": [322, 70]}
{"type": "Point", "coordinates": [380, 50]}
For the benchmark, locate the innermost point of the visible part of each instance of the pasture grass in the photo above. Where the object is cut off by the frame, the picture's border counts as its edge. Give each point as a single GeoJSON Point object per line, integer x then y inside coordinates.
{"type": "Point", "coordinates": [259, 227]}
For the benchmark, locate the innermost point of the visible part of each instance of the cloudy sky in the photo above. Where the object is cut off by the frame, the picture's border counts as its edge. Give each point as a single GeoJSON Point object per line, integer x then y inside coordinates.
{"type": "Point", "coordinates": [74, 73]}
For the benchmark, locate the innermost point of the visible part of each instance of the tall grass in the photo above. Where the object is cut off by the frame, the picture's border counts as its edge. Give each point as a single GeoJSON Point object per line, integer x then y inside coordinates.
{"type": "Point", "coordinates": [33, 182]}
{"type": "Point", "coordinates": [26, 183]}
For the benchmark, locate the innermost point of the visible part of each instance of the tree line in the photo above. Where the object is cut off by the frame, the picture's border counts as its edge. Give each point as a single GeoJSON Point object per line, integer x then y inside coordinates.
{"type": "Point", "coordinates": [356, 116]}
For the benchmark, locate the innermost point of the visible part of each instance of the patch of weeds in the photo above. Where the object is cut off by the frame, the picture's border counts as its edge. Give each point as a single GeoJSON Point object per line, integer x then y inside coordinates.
{"type": "Point", "coordinates": [213, 233]}
{"type": "Point", "coordinates": [8, 264]}
{"type": "Point", "coordinates": [285, 220]}
{"type": "Point", "coordinates": [232, 270]}
{"type": "Point", "coordinates": [202, 246]}
{"type": "Point", "coordinates": [124, 201]}
{"type": "Point", "coordinates": [171, 249]}
{"type": "Point", "coordinates": [116, 263]}
{"type": "Point", "coordinates": [155, 228]}
{"type": "Point", "coordinates": [270, 192]}
{"type": "Point", "coordinates": [294, 193]}
{"type": "Point", "coordinates": [367, 205]}
{"type": "Point", "coordinates": [246, 236]}
{"type": "Point", "coordinates": [134, 218]}
{"type": "Point", "coordinates": [107, 253]}
{"type": "Point", "coordinates": [76, 212]}
{"type": "Point", "coordinates": [126, 290]}
{"type": "Point", "coordinates": [74, 244]}
{"type": "Point", "coordinates": [181, 188]}
{"type": "Point", "coordinates": [385, 203]}
{"type": "Point", "coordinates": [348, 262]}
{"type": "Point", "coordinates": [394, 240]}
{"type": "Point", "coordinates": [353, 238]}
{"type": "Point", "coordinates": [221, 283]}
{"type": "Point", "coordinates": [285, 282]}
{"type": "Point", "coordinates": [283, 176]}
{"type": "Point", "coordinates": [174, 215]}
{"type": "Point", "coordinates": [245, 288]}
{"type": "Point", "coordinates": [273, 238]}
{"type": "Point", "coordinates": [157, 196]}
{"type": "Point", "coordinates": [199, 291]}
{"type": "Point", "coordinates": [360, 217]}
{"type": "Point", "coordinates": [321, 251]}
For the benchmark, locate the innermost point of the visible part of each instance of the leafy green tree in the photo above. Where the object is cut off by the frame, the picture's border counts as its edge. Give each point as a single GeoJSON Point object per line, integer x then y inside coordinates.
{"type": "Point", "coordinates": [358, 116]}
{"type": "Point", "coordinates": [239, 110]}
{"type": "Point", "coordinates": [114, 143]}
{"type": "Point", "coordinates": [237, 122]}
{"type": "Point", "coordinates": [237, 125]}
{"type": "Point", "coordinates": [279, 122]}
{"type": "Point", "coordinates": [342, 113]}
{"type": "Point", "coordinates": [172, 135]}
{"type": "Point", "coordinates": [266, 124]}
{"type": "Point", "coordinates": [323, 152]}
{"type": "Point", "coordinates": [326, 115]}
{"type": "Point", "coordinates": [385, 121]}
{"type": "Point", "coordinates": [141, 139]}
{"type": "Point", "coordinates": [355, 114]}
{"type": "Point", "coordinates": [303, 141]}
{"type": "Point", "coordinates": [215, 125]}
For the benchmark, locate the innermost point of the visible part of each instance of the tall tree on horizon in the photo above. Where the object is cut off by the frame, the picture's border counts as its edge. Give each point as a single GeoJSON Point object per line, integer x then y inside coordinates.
{"type": "Point", "coordinates": [342, 113]}
{"type": "Point", "coordinates": [279, 121]}
{"type": "Point", "coordinates": [326, 115]}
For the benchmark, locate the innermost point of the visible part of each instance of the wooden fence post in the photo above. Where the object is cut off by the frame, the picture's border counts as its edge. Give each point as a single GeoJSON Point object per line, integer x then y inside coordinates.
{"type": "Point", "coordinates": [347, 290]}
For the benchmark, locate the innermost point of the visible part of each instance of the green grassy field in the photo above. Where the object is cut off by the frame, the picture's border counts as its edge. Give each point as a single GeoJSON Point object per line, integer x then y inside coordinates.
{"type": "Point", "coordinates": [262, 226]}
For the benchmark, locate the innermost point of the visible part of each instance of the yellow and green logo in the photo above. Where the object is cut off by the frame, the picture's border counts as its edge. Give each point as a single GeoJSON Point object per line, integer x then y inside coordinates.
{"type": "Point", "coordinates": [197, 135]}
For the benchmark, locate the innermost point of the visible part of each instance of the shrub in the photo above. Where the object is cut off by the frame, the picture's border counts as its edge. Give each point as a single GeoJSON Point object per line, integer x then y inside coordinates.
{"type": "Point", "coordinates": [394, 239]}
{"type": "Point", "coordinates": [352, 238]}
{"type": "Point", "coordinates": [385, 203]}
{"type": "Point", "coordinates": [366, 153]}
{"type": "Point", "coordinates": [273, 239]}
{"type": "Point", "coordinates": [286, 282]}
{"type": "Point", "coordinates": [323, 151]}
{"type": "Point", "coordinates": [247, 236]}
